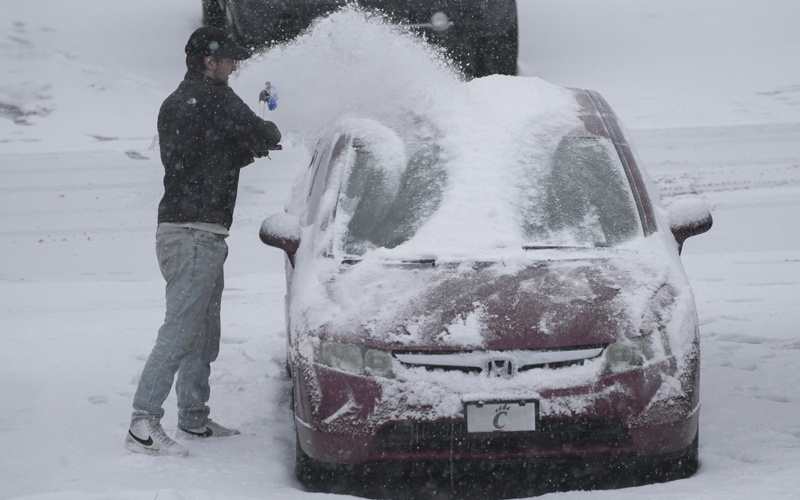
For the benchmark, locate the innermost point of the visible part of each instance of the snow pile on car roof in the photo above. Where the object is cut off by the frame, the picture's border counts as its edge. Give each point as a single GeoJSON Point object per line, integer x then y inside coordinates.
{"type": "Point", "coordinates": [497, 132]}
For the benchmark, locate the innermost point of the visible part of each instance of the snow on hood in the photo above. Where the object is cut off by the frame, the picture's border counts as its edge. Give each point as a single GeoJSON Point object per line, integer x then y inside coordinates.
{"type": "Point", "coordinates": [542, 305]}
{"type": "Point", "coordinates": [538, 302]}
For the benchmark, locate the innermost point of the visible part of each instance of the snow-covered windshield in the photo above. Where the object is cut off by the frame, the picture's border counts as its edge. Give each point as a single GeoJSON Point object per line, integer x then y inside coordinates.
{"type": "Point", "coordinates": [385, 210]}
{"type": "Point", "coordinates": [582, 198]}
{"type": "Point", "coordinates": [428, 187]}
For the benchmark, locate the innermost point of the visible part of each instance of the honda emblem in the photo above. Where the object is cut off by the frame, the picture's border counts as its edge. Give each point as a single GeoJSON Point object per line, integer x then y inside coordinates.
{"type": "Point", "coordinates": [502, 368]}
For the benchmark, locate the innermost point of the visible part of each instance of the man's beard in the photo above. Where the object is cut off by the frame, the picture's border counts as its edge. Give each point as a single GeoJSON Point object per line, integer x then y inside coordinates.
{"type": "Point", "coordinates": [219, 78]}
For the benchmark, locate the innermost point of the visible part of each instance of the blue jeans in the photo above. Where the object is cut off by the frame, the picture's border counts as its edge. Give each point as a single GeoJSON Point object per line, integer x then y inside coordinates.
{"type": "Point", "coordinates": [191, 262]}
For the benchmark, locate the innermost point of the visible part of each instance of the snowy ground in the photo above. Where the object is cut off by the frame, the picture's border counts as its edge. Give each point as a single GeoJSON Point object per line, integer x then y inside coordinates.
{"type": "Point", "coordinates": [710, 91]}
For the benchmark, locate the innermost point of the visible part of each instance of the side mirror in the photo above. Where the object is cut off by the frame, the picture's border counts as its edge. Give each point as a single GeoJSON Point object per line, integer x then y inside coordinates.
{"type": "Point", "coordinates": [282, 231]}
{"type": "Point", "coordinates": [688, 218]}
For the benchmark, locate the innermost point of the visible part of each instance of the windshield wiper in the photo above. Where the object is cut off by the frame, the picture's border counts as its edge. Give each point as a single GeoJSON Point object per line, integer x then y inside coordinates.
{"type": "Point", "coordinates": [562, 247]}
{"type": "Point", "coordinates": [425, 262]}
{"type": "Point", "coordinates": [419, 262]}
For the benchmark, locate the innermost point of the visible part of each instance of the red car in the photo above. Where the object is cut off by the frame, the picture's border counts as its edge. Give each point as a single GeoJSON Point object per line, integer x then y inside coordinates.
{"type": "Point", "coordinates": [487, 281]}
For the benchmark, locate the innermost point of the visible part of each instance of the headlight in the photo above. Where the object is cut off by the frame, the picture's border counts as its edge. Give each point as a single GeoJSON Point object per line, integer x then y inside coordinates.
{"type": "Point", "coordinates": [377, 362]}
{"type": "Point", "coordinates": [341, 356]}
{"type": "Point", "coordinates": [652, 341]}
{"type": "Point", "coordinates": [628, 354]}
{"type": "Point", "coordinates": [355, 359]}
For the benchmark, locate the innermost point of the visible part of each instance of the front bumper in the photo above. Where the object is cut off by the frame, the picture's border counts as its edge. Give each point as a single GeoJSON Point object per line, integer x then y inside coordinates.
{"type": "Point", "coordinates": [344, 418]}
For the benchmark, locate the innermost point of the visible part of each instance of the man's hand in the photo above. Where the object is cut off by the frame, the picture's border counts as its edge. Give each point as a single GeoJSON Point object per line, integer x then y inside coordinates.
{"type": "Point", "coordinates": [262, 154]}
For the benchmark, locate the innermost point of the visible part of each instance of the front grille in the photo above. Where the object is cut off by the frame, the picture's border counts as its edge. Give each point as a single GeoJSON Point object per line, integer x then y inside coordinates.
{"type": "Point", "coordinates": [552, 434]}
{"type": "Point", "coordinates": [513, 361]}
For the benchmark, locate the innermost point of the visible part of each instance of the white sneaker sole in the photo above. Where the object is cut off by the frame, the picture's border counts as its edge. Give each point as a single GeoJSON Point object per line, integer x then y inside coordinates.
{"type": "Point", "coordinates": [137, 447]}
{"type": "Point", "coordinates": [186, 435]}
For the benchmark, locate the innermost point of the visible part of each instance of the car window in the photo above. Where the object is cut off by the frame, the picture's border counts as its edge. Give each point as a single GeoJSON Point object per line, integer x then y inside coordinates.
{"type": "Point", "coordinates": [583, 199]}
{"type": "Point", "coordinates": [384, 207]}
{"type": "Point", "coordinates": [327, 158]}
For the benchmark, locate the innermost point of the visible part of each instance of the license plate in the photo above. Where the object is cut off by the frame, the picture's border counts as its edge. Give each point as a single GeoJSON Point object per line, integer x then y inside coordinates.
{"type": "Point", "coordinates": [502, 416]}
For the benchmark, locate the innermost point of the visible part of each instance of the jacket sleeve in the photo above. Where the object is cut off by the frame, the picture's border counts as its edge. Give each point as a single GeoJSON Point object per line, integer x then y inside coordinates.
{"type": "Point", "coordinates": [250, 132]}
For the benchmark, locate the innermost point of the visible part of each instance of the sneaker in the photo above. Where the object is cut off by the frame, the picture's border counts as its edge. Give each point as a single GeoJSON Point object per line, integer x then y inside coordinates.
{"type": "Point", "coordinates": [148, 437]}
{"type": "Point", "coordinates": [211, 429]}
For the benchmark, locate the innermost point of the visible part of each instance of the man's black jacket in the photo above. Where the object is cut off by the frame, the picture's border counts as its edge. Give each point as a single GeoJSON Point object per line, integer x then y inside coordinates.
{"type": "Point", "coordinates": [206, 134]}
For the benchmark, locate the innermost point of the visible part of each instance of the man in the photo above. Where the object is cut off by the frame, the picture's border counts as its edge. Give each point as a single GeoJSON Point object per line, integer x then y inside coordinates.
{"type": "Point", "coordinates": [206, 134]}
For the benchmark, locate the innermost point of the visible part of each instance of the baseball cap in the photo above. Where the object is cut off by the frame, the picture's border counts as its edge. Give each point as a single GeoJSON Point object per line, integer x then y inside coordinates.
{"type": "Point", "coordinates": [208, 41]}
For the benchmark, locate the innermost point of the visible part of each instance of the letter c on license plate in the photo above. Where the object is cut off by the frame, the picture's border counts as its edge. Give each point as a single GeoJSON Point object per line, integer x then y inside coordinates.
{"type": "Point", "coordinates": [502, 416]}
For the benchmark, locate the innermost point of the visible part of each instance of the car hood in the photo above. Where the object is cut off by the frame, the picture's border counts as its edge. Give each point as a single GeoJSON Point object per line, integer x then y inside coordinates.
{"type": "Point", "coordinates": [550, 304]}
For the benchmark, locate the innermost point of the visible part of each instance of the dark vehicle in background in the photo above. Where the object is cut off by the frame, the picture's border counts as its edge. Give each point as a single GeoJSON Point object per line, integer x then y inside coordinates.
{"type": "Point", "coordinates": [480, 35]}
{"type": "Point", "coordinates": [508, 303]}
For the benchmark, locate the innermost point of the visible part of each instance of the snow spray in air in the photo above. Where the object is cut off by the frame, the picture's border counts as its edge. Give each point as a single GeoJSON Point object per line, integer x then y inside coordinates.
{"type": "Point", "coordinates": [348, 63]}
